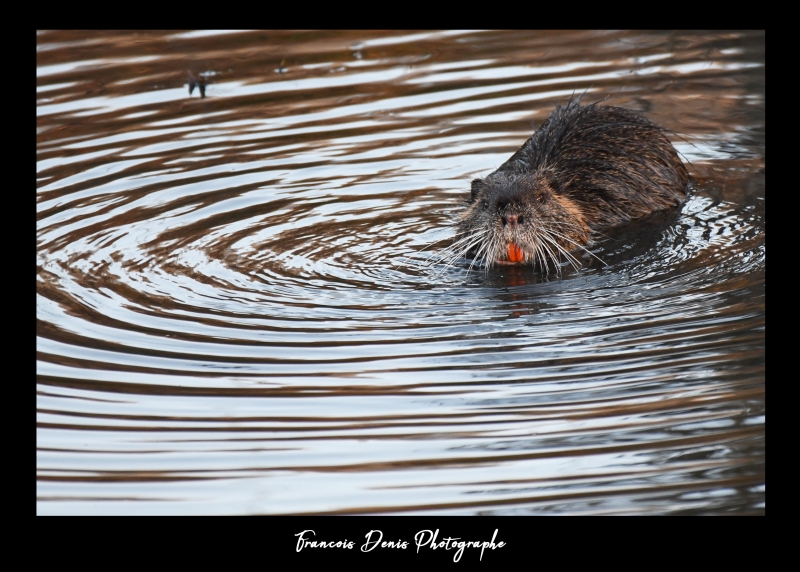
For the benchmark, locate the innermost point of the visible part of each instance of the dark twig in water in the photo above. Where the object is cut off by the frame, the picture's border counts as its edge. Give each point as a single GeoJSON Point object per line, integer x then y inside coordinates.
{"type": "Point", "coordinates": [199, 82]}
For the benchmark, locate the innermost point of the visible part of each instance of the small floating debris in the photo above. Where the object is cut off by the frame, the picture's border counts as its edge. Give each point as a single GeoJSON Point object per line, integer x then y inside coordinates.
{"type": "Point", "coordinates": [199, 82]}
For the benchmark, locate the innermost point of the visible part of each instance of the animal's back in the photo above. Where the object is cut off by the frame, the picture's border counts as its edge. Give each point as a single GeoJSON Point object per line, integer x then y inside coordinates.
{"type": "Point", "coordinates": [608, 159]}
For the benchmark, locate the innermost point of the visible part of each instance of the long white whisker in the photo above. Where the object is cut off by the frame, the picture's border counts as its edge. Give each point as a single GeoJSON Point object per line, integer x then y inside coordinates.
{"type": "Point", "coordinates": [483, 248]}
{"type": "Point", "coordinates": [456, 254]}
{"type": "Point", "coordinates": [542, 259]}
{"type": "Point", "coordinates": [568, 255]}
{"type": "Point", "coordinates": [576, 244]}
{"type": "Point", "coordinates": [454, 250]}
{"type": "Point", "coordinates": [553, 257]}
{"type": "Point", "coordinates": [570, 258]}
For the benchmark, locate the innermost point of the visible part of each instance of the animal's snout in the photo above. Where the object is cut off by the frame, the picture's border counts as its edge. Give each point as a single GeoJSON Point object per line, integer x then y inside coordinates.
{"type": "Point", "coordinates": [512, 219]}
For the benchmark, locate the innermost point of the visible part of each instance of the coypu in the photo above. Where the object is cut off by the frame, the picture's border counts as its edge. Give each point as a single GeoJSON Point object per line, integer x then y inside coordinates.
{"type": "Point", "coordinates": [586, 168]}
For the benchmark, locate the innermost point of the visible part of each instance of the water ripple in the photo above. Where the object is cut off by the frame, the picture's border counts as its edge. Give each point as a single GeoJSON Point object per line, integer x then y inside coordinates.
{"type": "Point", "coordinates": [240, 307]}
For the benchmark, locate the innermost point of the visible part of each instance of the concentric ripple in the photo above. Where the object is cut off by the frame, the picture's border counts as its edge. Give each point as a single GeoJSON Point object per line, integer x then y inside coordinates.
{"type": "Point", "coordinates": [240, 307]}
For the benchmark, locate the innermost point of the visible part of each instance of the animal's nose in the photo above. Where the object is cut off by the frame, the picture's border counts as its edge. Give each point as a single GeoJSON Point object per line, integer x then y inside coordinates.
{"type": "Point", "coordinates": [511, 219]}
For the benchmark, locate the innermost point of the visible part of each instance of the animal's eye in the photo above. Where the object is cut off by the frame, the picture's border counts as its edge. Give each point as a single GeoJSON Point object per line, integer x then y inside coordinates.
{"type": "Point", "coordinates": [542, 198]}
{"type": "Point", "coordinates": [485, 204]}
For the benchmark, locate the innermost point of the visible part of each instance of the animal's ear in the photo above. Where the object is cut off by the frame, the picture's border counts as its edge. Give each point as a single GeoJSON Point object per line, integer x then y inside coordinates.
{"type": "Point", "coordinates": [477, 185]}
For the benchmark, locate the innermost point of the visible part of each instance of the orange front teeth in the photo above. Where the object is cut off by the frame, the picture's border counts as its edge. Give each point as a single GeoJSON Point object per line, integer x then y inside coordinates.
{"type": "Point", "coordinates": [515, 253]}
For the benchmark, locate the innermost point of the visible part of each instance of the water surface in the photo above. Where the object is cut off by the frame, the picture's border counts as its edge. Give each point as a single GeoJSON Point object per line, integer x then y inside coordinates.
{"type": "Point", "coordinates": [236, 310]}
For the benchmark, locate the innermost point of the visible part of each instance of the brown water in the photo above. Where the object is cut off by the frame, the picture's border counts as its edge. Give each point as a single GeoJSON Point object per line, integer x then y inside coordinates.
{"type": "Point", "coordinates": [235, 311]}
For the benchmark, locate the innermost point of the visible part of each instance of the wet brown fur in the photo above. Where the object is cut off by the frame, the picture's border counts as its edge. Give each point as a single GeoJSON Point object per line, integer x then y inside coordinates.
{"type": "Point", "coordinates": [586, 168]}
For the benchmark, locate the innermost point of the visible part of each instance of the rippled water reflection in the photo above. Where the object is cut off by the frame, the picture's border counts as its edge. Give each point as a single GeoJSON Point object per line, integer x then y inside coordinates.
{"type": "Point", "coordinates": [235, 312]}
